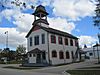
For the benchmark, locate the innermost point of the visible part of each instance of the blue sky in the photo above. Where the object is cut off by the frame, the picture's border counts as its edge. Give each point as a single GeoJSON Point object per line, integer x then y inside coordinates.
{"type": "Point", "coordinates": [72, 16]}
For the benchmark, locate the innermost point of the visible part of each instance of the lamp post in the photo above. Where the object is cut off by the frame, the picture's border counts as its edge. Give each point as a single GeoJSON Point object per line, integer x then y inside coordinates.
{"type": "Point", "coordinates": [6, 40]}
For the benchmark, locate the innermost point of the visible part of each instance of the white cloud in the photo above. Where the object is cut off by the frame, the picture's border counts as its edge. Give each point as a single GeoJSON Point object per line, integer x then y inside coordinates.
{"type": "Point", "coordinates": [23, 22]}
{"type": "Point", "coordinates": [14, 37]}
{"type": "Point", "coordinates": [73, 9]}
{"type": "Point", "coordinates": [88, 40]}
{"type": "Point", "coordinates": [61, 24]}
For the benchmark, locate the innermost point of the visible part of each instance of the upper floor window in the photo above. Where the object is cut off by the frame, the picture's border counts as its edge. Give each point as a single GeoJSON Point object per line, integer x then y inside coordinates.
{"type": "Point", "coordinates": [53, 39]}
{"type": "Point", "coordinates": [54, 53]}
{"type": "Point", "coordinates": [36, 40]}
{"type": "Point", "coordinates": [66, 41]}
{"type": "Point", "coordinates": [71, 42]}
{"type": "Point", "coordinates": [61, 55]}
{"type": "Point", "coordinates": [31, 41]}
{"type": "Point", "coordinates": [76, 42]}
{"type": "Point", "coordinates": [60, 40]}
{"type": "Point", "coordinates": [43, 38]}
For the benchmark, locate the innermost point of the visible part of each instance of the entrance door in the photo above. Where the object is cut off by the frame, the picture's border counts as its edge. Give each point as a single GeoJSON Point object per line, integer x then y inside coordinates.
{"type": "Point", "coordinates": [38, 58]}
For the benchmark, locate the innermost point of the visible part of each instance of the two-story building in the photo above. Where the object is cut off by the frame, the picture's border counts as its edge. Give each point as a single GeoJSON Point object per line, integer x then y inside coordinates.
{"type": "Point", "coordinates": [47, 45]}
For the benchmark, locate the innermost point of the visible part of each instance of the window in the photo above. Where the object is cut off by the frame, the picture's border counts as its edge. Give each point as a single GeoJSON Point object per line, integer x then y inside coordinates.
{"type": "Point", "coordinates": [36, 40]}
{"type": "Point", "coordinates": [30, 55]}
{"type": "Point", "coordinates": [30, 41]}
{"type": "Point", "coordinates": [67, 55]}
{"type": "Point", "coordinates": [54, 53]}
{"type": "Point", "coordinates": [43, 38]}
{"type": "Point", "coordinates": [60, 40]}
{"type": "Point", "coordinates": [66, 41]}
{"type": "Point", "coordinates": [91, 54]}
{"type": "Point", "coordinates": [53, 39]}
{"type": "Point", "coordinates": [33, 55]}
{"type": "Point", "coordinates": [71, 42]}
{"type": "Point", "coordinates": [76, 42]}
{"type": "Point", "coordinates": [61, 55]}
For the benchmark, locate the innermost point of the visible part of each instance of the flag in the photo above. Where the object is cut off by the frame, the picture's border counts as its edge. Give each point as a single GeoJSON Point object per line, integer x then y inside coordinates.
{"type": "Point", "coordinates": [6, 32]}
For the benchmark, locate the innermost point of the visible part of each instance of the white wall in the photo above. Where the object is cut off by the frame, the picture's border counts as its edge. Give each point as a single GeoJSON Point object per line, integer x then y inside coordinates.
{"type": "Point", "coordinates": [32, 59]}
{"type": "Point", "coordinates": [52, 46]}
{"type": "Point", "coordinates": [93, 51]}
{"type": "Point", "coordinates": [58, 48]}
{"type": "Point", "coordinates": [41, 46]}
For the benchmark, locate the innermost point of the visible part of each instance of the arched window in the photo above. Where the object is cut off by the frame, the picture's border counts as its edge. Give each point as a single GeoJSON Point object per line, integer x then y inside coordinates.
{"type": "Point", "coordinates": [61, 55]}
{"type": "Point", "coordinates": [67, 55]}
{"type": "Point", "coordinates": [54, 53]}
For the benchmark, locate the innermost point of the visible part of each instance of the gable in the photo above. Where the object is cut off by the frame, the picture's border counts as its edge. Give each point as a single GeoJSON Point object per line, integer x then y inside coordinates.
{"type": "Point", "coordinates": [34, 28]}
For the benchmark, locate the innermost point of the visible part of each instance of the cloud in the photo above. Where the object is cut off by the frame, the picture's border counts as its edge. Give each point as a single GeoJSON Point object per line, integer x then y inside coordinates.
{"type": "Point", "coordinates": [61, 24]}
{"type": "Point", "coordinates": [73, 9]}
{"type": "Point", "coordinates": [23, 22]}
{"type": "Point", "coordinates": [15, 38]}
{"type": "Point", "coordinates": [88, 40]}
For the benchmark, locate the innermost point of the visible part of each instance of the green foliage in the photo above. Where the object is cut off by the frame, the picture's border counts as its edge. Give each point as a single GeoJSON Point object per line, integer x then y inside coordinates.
{"type": "Point", "coordinates": [21, 49]}
{"type": "Point", "coordinates": [18, 3]}
{"type": "Point", "coordinates": [96, 18]}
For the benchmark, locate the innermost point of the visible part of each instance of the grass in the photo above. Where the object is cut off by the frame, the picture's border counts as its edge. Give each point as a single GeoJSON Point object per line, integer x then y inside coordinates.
{"type": "Point", "coordinates": [21, 68]}
{"type": "Point", "coordinates": [84, 72]}
{"type": "Point", "coordinates": [96, 67]}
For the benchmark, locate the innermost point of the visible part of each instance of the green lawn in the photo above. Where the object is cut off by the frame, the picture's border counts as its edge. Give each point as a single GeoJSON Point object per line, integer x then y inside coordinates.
{"type": "Point", "coordinates": [84, 72]}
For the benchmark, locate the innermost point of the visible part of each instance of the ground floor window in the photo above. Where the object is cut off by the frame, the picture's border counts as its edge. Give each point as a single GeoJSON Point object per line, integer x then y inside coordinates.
{"type": "Point", "coordinates": [54, 53]}
{"type": "Point", "coordinates": [67, 55]}
{"type": "Point", "coordinates": [61, 55]}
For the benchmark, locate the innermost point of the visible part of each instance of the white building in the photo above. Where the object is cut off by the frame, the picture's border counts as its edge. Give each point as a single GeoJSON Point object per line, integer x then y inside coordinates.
{"type": "Point", "coordinates": [93, 52]}
{"type": "Point", "coordinates": [47, 45]}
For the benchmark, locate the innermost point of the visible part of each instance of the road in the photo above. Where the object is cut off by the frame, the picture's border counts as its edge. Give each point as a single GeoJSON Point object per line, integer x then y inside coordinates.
{"type": "Point", "coordinates": [60, 69]}
{"type": "Point", "coordinates": [47, 70]}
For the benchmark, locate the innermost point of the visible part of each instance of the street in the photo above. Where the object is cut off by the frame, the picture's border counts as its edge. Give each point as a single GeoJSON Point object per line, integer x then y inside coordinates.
{"type": "Point", "coordinates": [57, 70]}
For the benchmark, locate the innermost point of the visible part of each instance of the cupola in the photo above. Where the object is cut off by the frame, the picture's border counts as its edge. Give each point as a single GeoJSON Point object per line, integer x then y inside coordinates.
{"type": "Point", "coordinates": [40, 15]}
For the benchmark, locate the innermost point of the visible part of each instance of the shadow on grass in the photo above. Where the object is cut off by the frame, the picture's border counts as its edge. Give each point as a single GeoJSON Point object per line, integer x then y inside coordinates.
{"type": "Point", "coordinates": [84, 72]}
{"type": "Point", "coordinates": [21, 68]}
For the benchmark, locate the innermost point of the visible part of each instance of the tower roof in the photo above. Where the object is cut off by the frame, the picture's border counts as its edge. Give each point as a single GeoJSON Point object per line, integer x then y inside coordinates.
{"type": "Point", "coordinates": [40, 9]}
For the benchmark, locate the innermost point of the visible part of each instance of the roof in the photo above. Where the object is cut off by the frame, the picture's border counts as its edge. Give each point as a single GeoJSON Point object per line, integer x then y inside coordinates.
{"type": "Point", "coordinates": [96, 45]}
{"type": "Point", "coordinates": [36, 50]}
{"type": "Point", "coordinates": [40, 21]}
{"type": "Point", "coordinates": [54, 31]}
{"type": "Point", "coordinates": [41, 9]}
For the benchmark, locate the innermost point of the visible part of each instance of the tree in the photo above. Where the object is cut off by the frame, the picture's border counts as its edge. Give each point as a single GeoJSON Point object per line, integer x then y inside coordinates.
{"type": "Point", "coordinates": [8, 4]}
{"type": "Point", "coordinates": [20, 51]}
{"type": "Point", "coordinates": [96, 18]}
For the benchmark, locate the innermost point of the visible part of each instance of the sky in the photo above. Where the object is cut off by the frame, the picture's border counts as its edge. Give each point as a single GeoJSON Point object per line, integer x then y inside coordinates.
{"type": "Point", "coordinates": [71, 16]}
